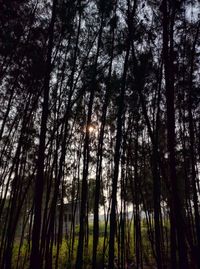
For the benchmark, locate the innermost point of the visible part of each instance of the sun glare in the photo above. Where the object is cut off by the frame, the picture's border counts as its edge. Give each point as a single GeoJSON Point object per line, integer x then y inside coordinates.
{"type": "Point", "coordinates": [91, 129]}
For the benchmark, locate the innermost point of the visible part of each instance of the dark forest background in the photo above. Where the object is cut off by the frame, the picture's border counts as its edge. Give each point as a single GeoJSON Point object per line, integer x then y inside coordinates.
{"type": "Point", "coordinates": [99, 107]}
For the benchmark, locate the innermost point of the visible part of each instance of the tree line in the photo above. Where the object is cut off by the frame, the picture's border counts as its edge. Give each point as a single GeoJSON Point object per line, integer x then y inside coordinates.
{"type": "Point", "coordinates": [99, 108]}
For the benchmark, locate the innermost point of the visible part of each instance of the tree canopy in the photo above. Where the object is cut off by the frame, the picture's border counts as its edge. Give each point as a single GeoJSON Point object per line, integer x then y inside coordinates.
{"type": "Point", "coordinates": [100, 109]}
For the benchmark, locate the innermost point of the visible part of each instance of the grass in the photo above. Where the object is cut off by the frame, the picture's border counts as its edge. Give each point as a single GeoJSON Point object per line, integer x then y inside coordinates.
{"type": "Point", "coordinates": [65, 262]}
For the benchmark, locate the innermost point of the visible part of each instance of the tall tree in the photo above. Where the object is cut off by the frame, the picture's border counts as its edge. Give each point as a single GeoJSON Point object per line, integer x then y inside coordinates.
{"type": "Point", "coordinates": [120, 115]}
{"type": "Point", "coordinates": [35, 259]}
{"type": "Point", "coordinates": [177, 210]}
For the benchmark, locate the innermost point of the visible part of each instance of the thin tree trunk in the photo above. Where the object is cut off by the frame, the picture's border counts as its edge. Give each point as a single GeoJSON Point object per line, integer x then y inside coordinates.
{"type": "Point", "coordinates": [86, 157]}
{"type": "Point", "coordinates": [192, 151]}
{"type": "Point", "coordinates": [116, 161]}
{"type": "Point", "coordinates": [177, 210]}
{"type": "Point", "coordinates": [35, 259]}
{"type": "Point", "coordinates": [99, 161]}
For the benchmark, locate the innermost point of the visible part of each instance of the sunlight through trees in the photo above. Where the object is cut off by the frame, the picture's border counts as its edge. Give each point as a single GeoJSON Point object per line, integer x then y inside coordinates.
{"type": "Point", "coordinates": [99, 134]}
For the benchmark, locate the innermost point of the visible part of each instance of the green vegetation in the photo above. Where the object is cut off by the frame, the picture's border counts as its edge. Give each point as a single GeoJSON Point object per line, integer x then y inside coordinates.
{"type": "Point", "coordinates": [64, 261]}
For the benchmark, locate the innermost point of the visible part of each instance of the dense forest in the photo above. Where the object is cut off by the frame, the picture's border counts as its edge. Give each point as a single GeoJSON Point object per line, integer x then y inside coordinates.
{"type": "Point", "coordinates": [99, 134]}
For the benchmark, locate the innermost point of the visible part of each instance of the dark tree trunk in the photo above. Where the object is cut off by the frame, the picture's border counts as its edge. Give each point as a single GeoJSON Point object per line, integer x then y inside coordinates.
{"type": "Point", "coordinates": [177, 210]}
{"type": "Point", "coordinates": [99, 161]}
{"type": "Point", "coordinates": [116, 161]}
{"type": "Point", "coordinates": [192, 149]}
{"type": "Point", "coordinates": [35, 259]}
{"type": "Point", "coordinates": [86, 159]}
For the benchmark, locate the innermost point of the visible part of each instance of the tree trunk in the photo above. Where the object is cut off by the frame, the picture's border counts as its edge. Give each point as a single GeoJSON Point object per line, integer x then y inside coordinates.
{"type": "Point", "coordinates": [116, 161]}
{"type": "Point", "coordinates": [177, 210]}
{"type": "Point", "coordinates": [35, 259]}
